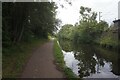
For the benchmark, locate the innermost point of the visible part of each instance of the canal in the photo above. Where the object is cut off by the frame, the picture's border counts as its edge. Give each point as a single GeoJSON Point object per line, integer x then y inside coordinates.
{"type": "Point", "coordinates": [90, 61]}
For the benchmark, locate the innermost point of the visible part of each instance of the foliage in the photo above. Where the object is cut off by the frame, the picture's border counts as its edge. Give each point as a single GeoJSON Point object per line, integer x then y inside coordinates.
{"type": "Point", "coordinates": [88, 30]}
{"type": "Point", "coordinates": [24, 21]}
{"type": "Point", "coordinates": [87, 15]}
{"type": "Point", "coordinates": [66, 32]}
{"type": "Point", "coordinates": [109, 39]}
{"type": "Point", "coordinates": [66, 46]}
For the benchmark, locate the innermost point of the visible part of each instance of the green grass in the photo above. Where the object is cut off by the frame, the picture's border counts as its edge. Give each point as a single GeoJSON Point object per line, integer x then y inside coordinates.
{"type": "Point", "coordinates": [15, 57]}
{"type": "Point", "coordinates": [59, 60]}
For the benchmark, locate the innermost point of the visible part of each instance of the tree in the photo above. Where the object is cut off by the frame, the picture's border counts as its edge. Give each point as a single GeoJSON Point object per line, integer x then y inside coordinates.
{"type": "Point", "coordinates": [102, 26]}
{"type": "Point", "coordinates": [66, 32]}
{"type": "Point", "coordinates": [84, 32]}
{"type": "Point", "coordinates": [23, 21]}
{"type": "Point", "coordinates": [87, 15]}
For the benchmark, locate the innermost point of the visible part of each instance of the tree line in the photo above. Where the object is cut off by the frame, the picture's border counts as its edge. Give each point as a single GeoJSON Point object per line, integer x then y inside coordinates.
{"type": "Point", "coordinates": [23, 21]}
{"type": "Point", "coordinates": [87, 30]}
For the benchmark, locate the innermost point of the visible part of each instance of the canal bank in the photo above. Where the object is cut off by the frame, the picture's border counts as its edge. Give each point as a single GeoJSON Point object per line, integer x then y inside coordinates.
{"type": "Point", "coordinates": [60, 63]}
{"type": "Point", "coordinates": [90, 61]}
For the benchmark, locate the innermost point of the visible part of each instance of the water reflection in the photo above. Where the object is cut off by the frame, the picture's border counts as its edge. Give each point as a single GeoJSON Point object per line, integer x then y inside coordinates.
{"type": "Point", "coordinates": [71, 62]}
{"type": "Point", "coordinates": [88, 61]}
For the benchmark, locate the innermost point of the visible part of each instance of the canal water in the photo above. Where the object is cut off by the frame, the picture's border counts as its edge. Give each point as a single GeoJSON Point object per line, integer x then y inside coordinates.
{"type": "Point", "coordinates": [88, 61]}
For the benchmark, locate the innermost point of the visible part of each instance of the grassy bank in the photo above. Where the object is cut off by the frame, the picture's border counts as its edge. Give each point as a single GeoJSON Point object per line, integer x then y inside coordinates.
{"type": "Point", "coordinates": [59, 60]}
{"type": "Point", "coordinates": [15, 57]}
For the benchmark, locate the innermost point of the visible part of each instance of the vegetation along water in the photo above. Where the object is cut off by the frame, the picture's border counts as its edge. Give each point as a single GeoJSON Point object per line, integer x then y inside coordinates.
{"type": "Point", "coordinates": [90, 47]}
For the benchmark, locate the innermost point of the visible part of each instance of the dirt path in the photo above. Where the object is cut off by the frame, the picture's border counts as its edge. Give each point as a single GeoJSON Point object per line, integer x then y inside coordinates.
{"type": "Point", "coordinates": [41, 64]}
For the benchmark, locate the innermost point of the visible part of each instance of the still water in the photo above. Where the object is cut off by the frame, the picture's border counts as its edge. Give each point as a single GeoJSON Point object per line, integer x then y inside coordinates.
{"type": "Point", "coordinates": [88, 61]}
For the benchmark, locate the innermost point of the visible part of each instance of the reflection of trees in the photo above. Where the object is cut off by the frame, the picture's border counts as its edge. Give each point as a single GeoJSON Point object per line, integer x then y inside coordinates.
{"type": "Point", "coordinates": [116, 67]}
{"type": "Point", "coordinates": [100, 63]}
{"type": "Point", "coordinates": [110, 56]}
{"type": "Point", "coordinates": [85, 53]}
{"type": "Point", "coordinates": [100, 60]}
{"type": "Point", "coordinates": [86, 67]}
{"type": "Point", "coordinates": [87, 61]}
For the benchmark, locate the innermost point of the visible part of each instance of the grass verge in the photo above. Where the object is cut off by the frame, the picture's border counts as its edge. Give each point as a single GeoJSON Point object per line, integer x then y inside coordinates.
{"type": "Point", "coordinates": [15, 57]}
{"type": "Point", "coordinates": [59, 61]}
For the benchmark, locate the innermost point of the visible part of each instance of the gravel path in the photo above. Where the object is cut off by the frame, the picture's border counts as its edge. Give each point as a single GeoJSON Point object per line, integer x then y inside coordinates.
{"type": "Point", "coordinates": [41, 63]}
